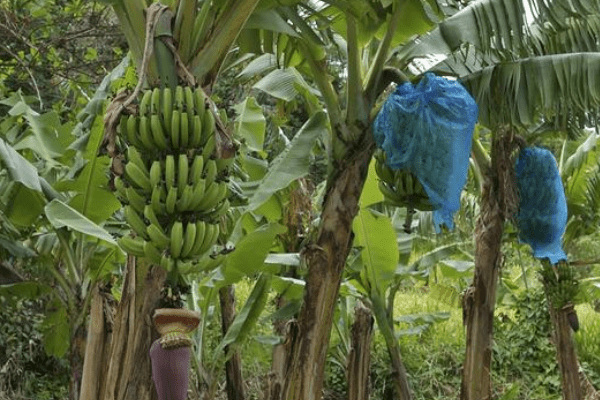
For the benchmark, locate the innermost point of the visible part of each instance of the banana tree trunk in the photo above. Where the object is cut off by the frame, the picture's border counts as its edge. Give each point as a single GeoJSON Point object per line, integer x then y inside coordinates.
{"type": "Point", "coordinates": [359, 358]}
{"type": "Point", "coordinates": [117, 363]}
{"type": "Point", "coordinates": [233, 366]}
{"type": "Point", "coordinates": [565, 354]}
{"type": "Point", "coordinates": [326, 258]}
{"type": "Point", "coordinates": [480, 299]}
{"type": "Point", "coordinates": [560, 288]}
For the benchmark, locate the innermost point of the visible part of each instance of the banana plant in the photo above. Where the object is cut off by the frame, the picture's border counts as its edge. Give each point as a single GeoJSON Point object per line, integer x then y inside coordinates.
{"type": "Point", "coordinates": [497, 61]}
{"type": "Point", "coordinates": [51, 187]}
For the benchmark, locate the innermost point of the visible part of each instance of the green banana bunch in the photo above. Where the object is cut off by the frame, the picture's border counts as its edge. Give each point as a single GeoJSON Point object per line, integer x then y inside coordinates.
{"type": "Point", "coordinates": [400, 187]}
{"type": "Point", "coordinates": [174, 188]}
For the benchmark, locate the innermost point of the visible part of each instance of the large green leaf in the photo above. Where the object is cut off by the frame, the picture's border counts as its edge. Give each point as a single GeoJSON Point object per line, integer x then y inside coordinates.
{"type": "Point", "coordinates": [62, 215]}
{"type": "Point", "coordinates": [376, 237]}
{"type": "Point", "coordinates": [258, 66]}
{"type": "Point", "coordinates": [432, 257]}
{"type": "Point", "coordinates": [282, 84]}
{"type": "Point", "coordinates": [248, 316]}
{"type": "Point", "coordinates": [93, 198]}
{"type": "Point", "coordinates": [516, 92]}
{"type": "Point", "coordinates": [250, 253]}
{"type": "Point", "coordinates": [250, 124]}
{"type": "Point", "coordinates": [269, 20]}
{"type": "Point", "coordinates": [56, 331]}
{"type": "Point", "coordinates": [25, 206]}
{"type": "Point", "coordinates": [20, 169]}
{"type": "Point", "coordinates": [49, 139]}
{"type": "Point", "coordinates": [292, 163]}
{"type": "Point", "coordinates": [371, 193]}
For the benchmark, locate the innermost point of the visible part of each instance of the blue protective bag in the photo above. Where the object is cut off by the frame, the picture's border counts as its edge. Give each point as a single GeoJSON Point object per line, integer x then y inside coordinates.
{"type": "Point", "coordinates": [542, 215]}
{"type": "Point", "coordinates": [427, 129]}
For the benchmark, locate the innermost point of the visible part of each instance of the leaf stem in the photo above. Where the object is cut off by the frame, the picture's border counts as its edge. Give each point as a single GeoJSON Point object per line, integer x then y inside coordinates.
{"type": "Point", "coordinates": [355, 109]}
{"type": "Point", "coordinates": [378, 62]}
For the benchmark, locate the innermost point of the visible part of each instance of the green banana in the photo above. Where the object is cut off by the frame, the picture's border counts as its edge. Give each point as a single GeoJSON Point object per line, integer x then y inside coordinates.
{"type": "Point", "coordinates": [196, 137]}
{"type": "Point", "coordinates": [169, 171]}
{"type": "Point", "coordinates": [184, 130]}
{"type": "Point", "coordinates": [207, 263]}
{"type": "Point", "coordinates": [210, 172]}
{"type": "Point", "coordinates": [199, 239]}
{"type": "Point", "coordinates": [156, 200]}
{"type": "Point", "coordinates": [219, 210]}
{"type": "Point", "coordinates": [176, 244]}
{"type": "Point", "coordinates": [132, 132]}
{"type": "Point", "coordinates": [197, 194]}
{"type": "Point", "coordinates": [188, 95]}
{"type": "Point", "coordinates": [185, 267]}
{"type": "Point", "coordinates": [390, 195]}
{"type": "Point", "coordinates": [196, 169]}
{"type": "Point", "coordinates": [175, 129]}
{"type": "Point", "coordinates": [120, 188]}
{"type": "Point", "coordinates": [210, 237]}
{"type": "Point", "coordinates": [167, 263]}
{"type": "Point", "coordinates": [155, 174]}
{"type": "Point", "coordinates": [135, 221]}
{"type": "Point", "coordinates": [146, 134]}
{"type": "Point", "coordinates": [185, 199]}
{"type": "Point", "coordinates": [158, 134]}
{"type": "Point", "coordinates": [144, 108]}
{"type": "Point", "coordinates": [171, 200]}
{"type": "Point", "coordinates": [179, 99]}
{"type": "Point", "coordinates": [182, 172]}
{"type": "Point", "coordinates": [200, 102]}
{"type": "Point", "coordinates": [158, 237]}
{"type": "Point", "coordinates": [152, 253]}
{"type": "Point", "coordinates": [208, 126]}
{"type": "Point", "coordinates": [209, 147]}
{"type": "Point", "coordinates": [189, 239]}
{"type": "Point", "coordinates": [150, 215]}
{"type": "Point", "coordinates": [214, 194]}
{"type": "Point", "coordinates": [136, 176]}
{"type": "Point", "coordinates": [167, 107]}
{"type": "Point", "coordinates": [134, 156]}
{"type": "Point", "coordinates": [132, 245]}
{"type": "Point", "coordinates": [155, 102]}
{"type": "Point", "coordinates": [135, 199]}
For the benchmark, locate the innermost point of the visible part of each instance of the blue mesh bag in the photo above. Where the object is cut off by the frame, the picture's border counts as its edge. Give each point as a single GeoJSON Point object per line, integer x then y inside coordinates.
{"type": "Point", "coordinates": [427, 129]}
{"type": "Point", "coordinates": [542, 215]}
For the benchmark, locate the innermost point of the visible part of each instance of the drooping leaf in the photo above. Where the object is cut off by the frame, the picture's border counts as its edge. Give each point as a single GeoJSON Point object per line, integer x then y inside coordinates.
{"type": "Point", "coordinates": [455, 269]}
{"type": "Point", "coordinates": [25, 206]}
{"type": "Point", "coordinates": [248, 316]}
{"type": "Point", "coordinates": [432, 257]}
{"type": "Point", "coordinates": [270, 20]}
{"type": "Point", "coordinates": [62, 215]}
{"type": "Point", "coordinates": [50, 139]}
{"type": "Point", "coordinates": [371, 193]}
{"type": "Point", "coordinates": [250, 253]}
{"type": "Point", "coordinates": [258, 66]}
{"type": "Point", "coordinates": [292, 163]}
{"type": "Point", "coordinates": [250, 123]}
{"type": "Point", "coordinates": [56, 331]}
{"type": "Point", "coordinates": [20, 169]}
{"type": "Point", "coordinates": [376, 237]}
{"type": "Point", "coordinates": [281, 83]}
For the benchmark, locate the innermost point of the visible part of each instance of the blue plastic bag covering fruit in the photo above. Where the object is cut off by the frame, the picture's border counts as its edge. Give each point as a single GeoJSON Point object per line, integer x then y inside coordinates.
{"type": "Point", "coordinates": [427, 129]}
{"type": "Point", "coordinates": [542, 216]}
